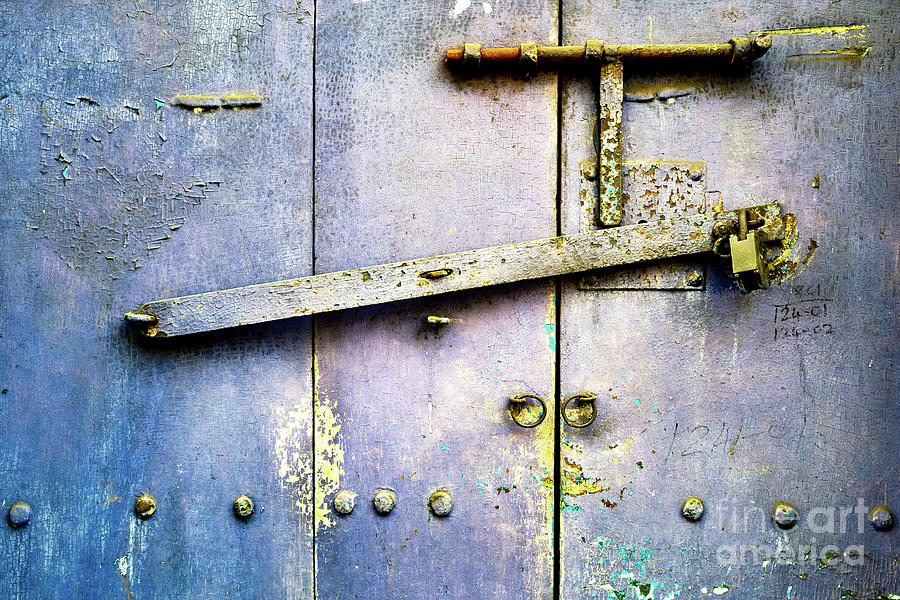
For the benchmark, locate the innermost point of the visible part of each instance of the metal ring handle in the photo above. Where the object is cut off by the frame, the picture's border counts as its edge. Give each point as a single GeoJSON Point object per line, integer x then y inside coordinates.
{"type": "Point", "coordinates": [519, 399]}
{"type": "Point", "coordinates": [586, 397]}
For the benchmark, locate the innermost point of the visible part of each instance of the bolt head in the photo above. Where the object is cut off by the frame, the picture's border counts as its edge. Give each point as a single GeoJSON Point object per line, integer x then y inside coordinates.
{"type": "Point", "coordinates": [384, 502]}
{"type": "Point", "coordinates": [692, 509]}
{"type": "Point", "coordinates": [344, 502]}
{"type": "Point", "coordinates": [695, 173]}
{"type": "Point", "coordinates": [19, 514]}
{"type": "Point", "coordinates": [589, 171]}
{"type": "Point", "coordinates": [440, 503]}
{"type": "Point", "coordinates": [694, 279]}
{"type": "Point", "coordinates": [145, 506]}
{"type": "Point", "coordinates": [242, 507]}
{"type": "Point", "coordinates": [784, 515]}
{"type": "Point", "coordinates": [881, 517]}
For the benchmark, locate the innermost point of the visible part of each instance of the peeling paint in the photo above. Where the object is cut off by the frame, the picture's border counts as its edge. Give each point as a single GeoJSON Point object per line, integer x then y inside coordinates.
{"type": "Point", "coordinates": [329, 456]}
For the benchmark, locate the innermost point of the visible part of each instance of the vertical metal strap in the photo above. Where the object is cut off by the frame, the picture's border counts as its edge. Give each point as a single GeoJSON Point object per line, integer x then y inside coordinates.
{"type": "Point", "coordinates": [609, 99]}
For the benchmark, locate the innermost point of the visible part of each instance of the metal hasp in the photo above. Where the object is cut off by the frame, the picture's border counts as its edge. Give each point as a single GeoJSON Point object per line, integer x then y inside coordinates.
{"type": "Point", "coordinates": [535, 259]}
{"type": "Point", "coordinates": [605, 61]}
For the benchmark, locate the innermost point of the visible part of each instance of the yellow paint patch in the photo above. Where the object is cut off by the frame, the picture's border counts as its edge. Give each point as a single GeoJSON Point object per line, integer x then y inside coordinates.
{"type": "Point", "coordinates": [843, 53]}
{"type": "Point", "coordinates": [329, 456]}
{"type": "Point", "coordinates": [830, 29]}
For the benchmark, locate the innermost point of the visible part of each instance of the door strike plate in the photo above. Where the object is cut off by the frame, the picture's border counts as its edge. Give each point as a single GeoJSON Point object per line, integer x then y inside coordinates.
{"type": "Point", "coordinates": [651, 190]}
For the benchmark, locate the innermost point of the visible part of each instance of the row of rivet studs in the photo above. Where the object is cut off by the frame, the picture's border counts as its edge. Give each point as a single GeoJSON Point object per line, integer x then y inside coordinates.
{"type": "Point", "coordinates": [785, 515]}
{"type": "Point", "coordinates": [144, 507]}
{"type": "Point", "coordinates": [440, 502]}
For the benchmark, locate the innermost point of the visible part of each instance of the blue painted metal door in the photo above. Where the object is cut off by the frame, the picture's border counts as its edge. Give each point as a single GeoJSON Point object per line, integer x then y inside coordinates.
{"type": "Point", "coordinates": [153, 150]}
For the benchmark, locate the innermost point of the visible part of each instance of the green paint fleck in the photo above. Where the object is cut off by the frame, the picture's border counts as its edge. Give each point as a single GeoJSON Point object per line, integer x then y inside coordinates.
{"type": "Point", "coordinates": [445, 447]}
{"type": "Point", "coordinates": [636, 401]}
{"type": "Point", "coordinates": [366, 276]}
{"type": "Point", "coordinates": [640, 464]}
{"type": "Point", "coordinates": [159, 103]}
{"type": "Point", "coordinates": [65, 174]}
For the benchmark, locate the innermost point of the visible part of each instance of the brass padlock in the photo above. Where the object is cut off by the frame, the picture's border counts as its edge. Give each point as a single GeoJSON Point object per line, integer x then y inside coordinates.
{"type": "Point", "coordinates": [748, 264]}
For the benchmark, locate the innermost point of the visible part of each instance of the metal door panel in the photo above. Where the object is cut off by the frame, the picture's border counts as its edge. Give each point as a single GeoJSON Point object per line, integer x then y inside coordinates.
{"type": "Point", "coordinates": [414, 162]}
{"type": "Point", "coordinates": [113, 195]}
{"type": "Point", "coordinates": [786, 394]}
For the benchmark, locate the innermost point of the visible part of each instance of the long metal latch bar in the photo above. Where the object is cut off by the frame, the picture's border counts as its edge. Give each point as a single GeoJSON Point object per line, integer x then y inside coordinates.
{"type": "Point", "coordinates": [547, 257]}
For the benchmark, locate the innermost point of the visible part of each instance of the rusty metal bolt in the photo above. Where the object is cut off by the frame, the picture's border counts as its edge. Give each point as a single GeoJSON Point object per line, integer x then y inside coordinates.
{"type": "Point", "coordinates": [384, 502]}
{"type": "Point", "coordinates": [695, 173]}
{"type": "Point", "coordinates": [784, 514]}
{"type": "Point", "coordinates": [694, 279]}
{"type": "Point", "coordinates": [692, 509]}
{"type": "Point", "coordinates": [344, 502]}
{"type": "Point", "coordinates": [242, 507]}
{"type": "Point", "coordinates": [589, 171]}
{"type": "Point", "coordinates": [145, 506]}
{"type": "Point", "coordinates": [440, 503]}
{"type": "Point", "coordinates": [19, 514]}
{"type": "Point", "coordinates": [881, 517]}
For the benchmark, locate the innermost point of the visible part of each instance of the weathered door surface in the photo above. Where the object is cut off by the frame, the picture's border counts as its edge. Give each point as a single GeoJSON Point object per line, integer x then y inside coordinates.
{"type": "Point", "coordinates": [152, 150]}
{"type": "Point", "coordinates": [113, 193]}
{"type": "Point", "coordinates": [414, 162]}
{"type": "Point", "coordinates": [788, 394]}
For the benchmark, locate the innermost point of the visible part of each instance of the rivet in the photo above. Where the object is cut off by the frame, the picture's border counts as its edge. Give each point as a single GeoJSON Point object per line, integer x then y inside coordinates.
{"type": "Point", "coordinates": [881, 517]}
{"type": "Point", "coordinates": [343, 502]}
{"type": "Point", "coordinates": [19, 514]}
{"type": "Point", "coordinates": [145, 506]}
{"type": "Point", "coordinates": [692, 509]}
{"type": "Point", "coordinates": [589, 170]}
{"type": "Point", "coordinates": [441, 503]}
{"type": "Point", "coordinates": [695, 173]}
{"type": "Point", "coordinates": [694, 279]}
{"type": "Point", "coordinates": [384, 502]}
{"type": "Point", "coordinates": [784, 514]}
{"type": "Point", "coordinates": [242, 507]}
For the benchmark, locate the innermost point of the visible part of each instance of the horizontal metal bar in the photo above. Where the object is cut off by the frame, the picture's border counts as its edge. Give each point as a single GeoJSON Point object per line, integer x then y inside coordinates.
{"type": "Point", "coordinates": [733, 52]}
{"type": "Point", "coordinates": [496, 265]}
